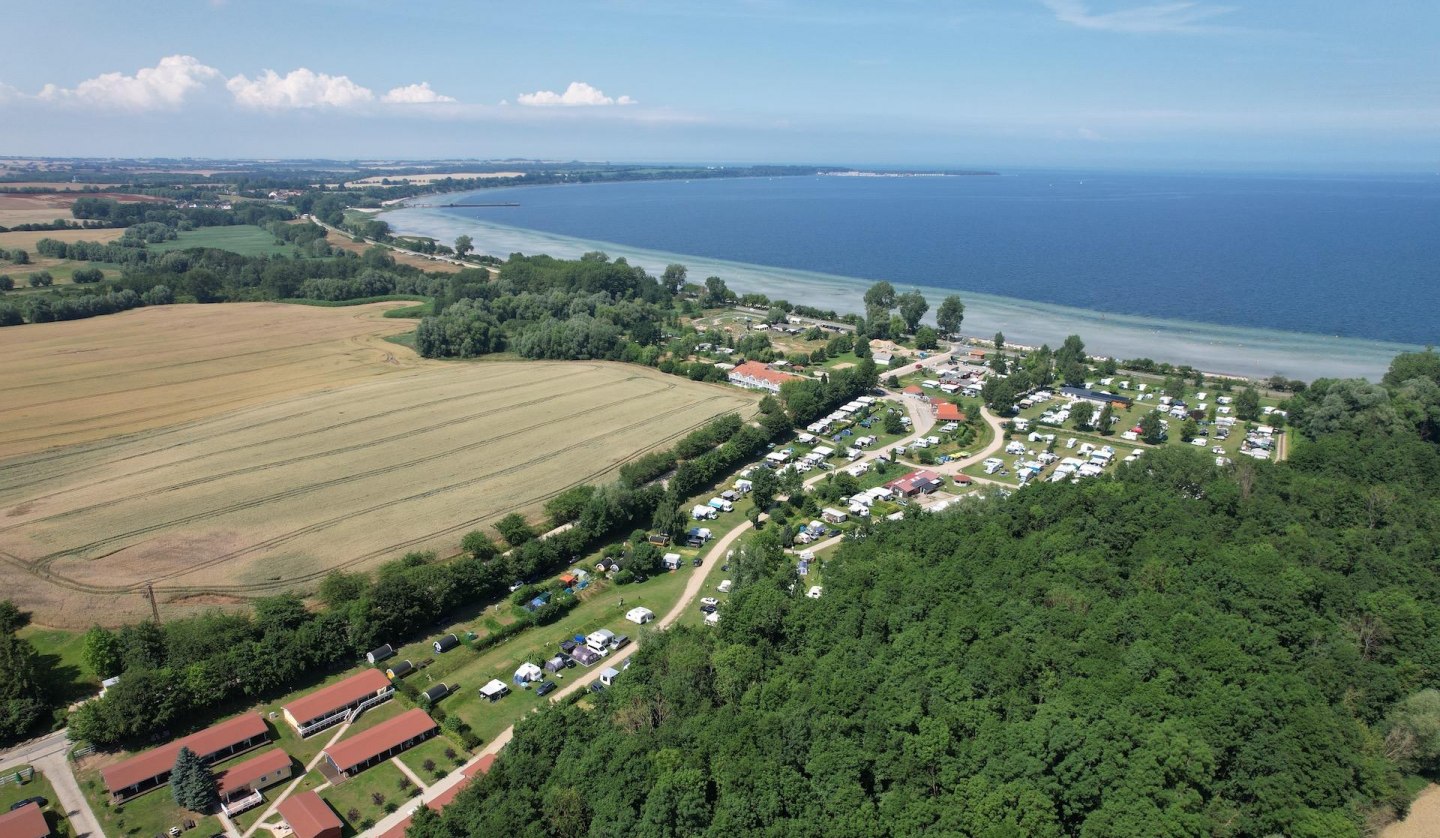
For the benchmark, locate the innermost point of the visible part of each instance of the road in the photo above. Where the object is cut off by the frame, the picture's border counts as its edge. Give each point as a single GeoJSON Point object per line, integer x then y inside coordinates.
{"type": "Point", "coordinates": [48, 755]}
{"type": "Point", "coordinates": [693, 586]}
{"type": "Point", "coordinates": [436, 257]}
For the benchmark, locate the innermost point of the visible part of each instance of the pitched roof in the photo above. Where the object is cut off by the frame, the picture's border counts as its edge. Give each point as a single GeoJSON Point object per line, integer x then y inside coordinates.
{"type": "Point", "coordinates": [377, 740]}
{"type": "Point", "coordinates": [339, 694]}
{"type": "Point", "coordinates": [308, 815]}
{"type": "Point", "coordinates": [142, 767]}
{"type": "Point", "coordinates": [948, 412]}
{"type": "Point", "coordinates": [26, 822]}
{"type": "Point", "coordinates": [755, 369]}
{"type": "Point", "coordinates": [241, 775]}
{"type": "Point", "coordinates": [914, 389]}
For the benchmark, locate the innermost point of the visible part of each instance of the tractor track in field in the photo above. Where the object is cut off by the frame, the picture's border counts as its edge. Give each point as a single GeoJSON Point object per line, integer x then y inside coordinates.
{"type": "Point", "coordinates": [85, 449]}
{"type": "Point", "coordinates": [294, 492]}
{"type": "Point", "coordinates": [315, 455]}
{"type": "Point", "coordinates": [41, 569]}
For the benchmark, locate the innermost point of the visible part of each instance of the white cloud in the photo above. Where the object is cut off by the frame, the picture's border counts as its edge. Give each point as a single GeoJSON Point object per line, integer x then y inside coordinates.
{"type": "Point", "coordinates": [166, 85]}
{"type": "Point", "coordinates": [302, 88]}
{"type": "Point", "coordinates": [1088, 134]}
{"type": "Point", "coordinates": [1180, 17]}
{"type": "Point", "coordinates": [577, 94]}
{"type": "Point", "coordinates": [8, 93]}
{"type": "Point", "coordinates": [415, 94]}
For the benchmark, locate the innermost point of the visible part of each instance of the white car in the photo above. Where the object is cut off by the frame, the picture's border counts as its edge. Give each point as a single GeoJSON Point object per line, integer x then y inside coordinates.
{"type": "Point", "coordinates": [709, 600]}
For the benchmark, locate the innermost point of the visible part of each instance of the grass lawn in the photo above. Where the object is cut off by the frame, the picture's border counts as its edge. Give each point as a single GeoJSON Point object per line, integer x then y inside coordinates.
{"type": "Point", "coordinates": [37, 786]}
{"type": "Point", "coordinates": [434, 750]}
{"type": "Point", "coordinates": [355, 793]}
{"type": "Point", "coordinates": [152, 813]}
{"type": "Point", "coordinates": [244, 239]}
{"type": "Point", "coordinates": [62, 660]}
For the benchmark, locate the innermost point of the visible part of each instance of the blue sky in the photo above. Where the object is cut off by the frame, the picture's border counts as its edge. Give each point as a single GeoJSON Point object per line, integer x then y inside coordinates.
{"type": "Point", "coordinates": [1278, 84]}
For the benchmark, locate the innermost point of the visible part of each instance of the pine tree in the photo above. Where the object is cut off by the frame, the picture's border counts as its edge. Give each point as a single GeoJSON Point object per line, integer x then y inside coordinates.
{"type": "Point", "coordinates": [191, 783]}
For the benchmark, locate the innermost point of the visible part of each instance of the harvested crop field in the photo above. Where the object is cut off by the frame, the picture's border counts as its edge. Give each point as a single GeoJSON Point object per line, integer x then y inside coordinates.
{"type": "Point", "coordinates": [274, 495]}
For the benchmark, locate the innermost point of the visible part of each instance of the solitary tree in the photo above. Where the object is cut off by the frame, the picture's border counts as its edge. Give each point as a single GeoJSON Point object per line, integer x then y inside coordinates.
{"type": "Point", "coordinates": [1247, 404]}
{"type": "Point", "coordinates": [912, 307]}
{"type": "Point", "coordinates": [674, 278]}
{"type": "Point", "coordinates": [463, 245]}
{"type": "Point", "coordinates": [999, 340]}
{"type": "Point", "coordinates": [950, 315]}
{"type": "Point", "coordinates": [191, 783]}
{"type": "Point", "coordinates": [40, 279]}
{"type": "Point", "coordinates": [6, 283]}
{"type": "Point", "coordinates": [514, 529]}
{"type": "Point", "coordinates": [1151, 429]}
{"type": "Point", "coordinates": [925, 338]}
{"type": "Point", "coordinates": [1082, 413]}
{"type": "Point", "coordinates": [762, 488]}
{"type": "Point", "coordinates": [1105, 419]}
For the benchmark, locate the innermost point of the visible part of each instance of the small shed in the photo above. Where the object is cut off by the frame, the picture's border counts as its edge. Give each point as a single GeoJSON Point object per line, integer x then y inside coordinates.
{"type": "Point", "coordinates": [435, 693]}
{"type": "Point", "coordinates": [494, 691]}
{"type": "Point", "coordinates": [639, 615]}
{"type": "Point", "coordinates": [400, 670]}
{"type": "Point", "coordinates": [380, 654]}
{"type": "Point", "coordinates": [446, 643]}
{"type": "Point", "coordinates": [608, 676]}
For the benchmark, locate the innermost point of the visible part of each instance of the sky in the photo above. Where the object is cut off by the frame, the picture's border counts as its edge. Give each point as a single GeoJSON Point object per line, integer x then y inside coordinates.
{"type": "Point", "coordinates": [1274, 85]}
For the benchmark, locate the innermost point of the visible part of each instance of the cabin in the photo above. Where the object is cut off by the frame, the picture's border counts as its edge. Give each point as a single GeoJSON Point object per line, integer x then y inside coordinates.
{"type": "Point", "coordinates": [308, 816]}
{"type": "Point", "coordinates": [240, 785]}
{"type": "Point", "coordinates": [445, 644]}
{"type": "Point", "coordinates": [495, 690]}
{"type": "Point", "coordinates": [639, 615]}
{"type": "Point", "coordinates": [351, 756]}
{"type": "Point", "coordinates": [26, 821]}
{"type": "Point", "coordinates": [328, 706]}
{"type": "Point", "coordinates": [380, 654]}
{"type": "Point", "coordinates": [753, 375]}
{"type": "Point", "coordinates": [399, 670]}
{"type": "Point", "coordinates": [143, 772]}
{"type": "Point", "coordinates": [916, 483]}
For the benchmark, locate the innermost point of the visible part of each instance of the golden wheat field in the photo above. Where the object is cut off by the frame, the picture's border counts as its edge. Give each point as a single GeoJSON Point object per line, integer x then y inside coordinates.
{"type": "Point", "coordinates": [228, 471]}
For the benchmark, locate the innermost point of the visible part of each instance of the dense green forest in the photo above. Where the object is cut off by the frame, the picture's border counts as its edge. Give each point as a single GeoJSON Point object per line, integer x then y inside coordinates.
{"type": "Point", "coordinates": [1178, 650]}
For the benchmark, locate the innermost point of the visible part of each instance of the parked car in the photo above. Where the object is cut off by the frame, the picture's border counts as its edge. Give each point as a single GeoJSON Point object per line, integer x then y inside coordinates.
{"type": "Point", "coordinates": [38, 801]}
{"type": "Point", "coordinates": [597, 687]}
{"type": "Point", "coordinates": [709, 600]}
{"type": "Point", "coordinates": [696, 562]}
{"type": "Point", "coordinates": [708, 609]}
{"type": "Point", "coordinates": [545, 688]}
{"type": "Point", "coordinates": [621, 642]}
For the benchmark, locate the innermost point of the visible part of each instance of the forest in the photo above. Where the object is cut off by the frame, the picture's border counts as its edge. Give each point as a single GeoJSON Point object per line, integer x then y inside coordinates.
{"type": "Point", "coordinates": [1179, 650]}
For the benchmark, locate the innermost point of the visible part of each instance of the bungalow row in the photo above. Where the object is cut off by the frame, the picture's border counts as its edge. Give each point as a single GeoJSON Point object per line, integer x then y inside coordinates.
{"type": "Point", "coordinates": [351, 756]}
{"type": "Point", "coordinates": [308, 816]}
{"type": "Point", "coordinates": [332, 705]}
{"type": "Point", "coordinates": [26, 821]}
{"type": "Point", "coordinates": [753, 375]}
{"type": "Point", "coordinates": [240, 785]}
{"type": "Point", "coordinates": [146, 771]}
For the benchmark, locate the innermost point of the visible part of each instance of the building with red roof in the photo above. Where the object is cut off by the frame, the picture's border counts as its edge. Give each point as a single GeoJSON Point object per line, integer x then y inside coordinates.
{"type": "Point", "coordinates": [331, 705]}
{"type": "Point", "coordinates": [244, 779]}
{"type": "Point", "coordinates": [309, 816]}
{"type": "Point", "coordinates": [914, 390]}
{"type": "Point", "coordinates": [948, 412]}
{"type": "Point", "coordinates": [144, 772]}
{"type": "Point", "coordinates": [351, 756]}
{"type": "Point", "coordinates": [753, 375]}
{"type": "Point", "coordinates": [916, 483]}
{"type": "Point", "coordinates": [26, 822]}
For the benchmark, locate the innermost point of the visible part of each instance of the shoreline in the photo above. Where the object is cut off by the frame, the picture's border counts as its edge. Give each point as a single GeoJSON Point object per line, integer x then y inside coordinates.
{"type": "Point", "coordinates": [1214, 348]}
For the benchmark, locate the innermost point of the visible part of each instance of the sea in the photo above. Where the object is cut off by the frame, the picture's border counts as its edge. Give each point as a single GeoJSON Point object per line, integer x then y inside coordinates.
{"type": "Point", "coordinates": [1303, 276]}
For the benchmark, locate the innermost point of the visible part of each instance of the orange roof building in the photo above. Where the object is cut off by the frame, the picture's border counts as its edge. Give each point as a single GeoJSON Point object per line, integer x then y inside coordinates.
{"type": "Point", "coordinates": [26, 822]}
{"type": "Point", "coordinates": [314, 712]}
{"type": "Point", "coordinates": [144, 772]}
{"type": "Point", "coordinates": [351, 756]}
{"type": "Point", "coordinates": [753, 375]}
{"type": "Point", "coordinates": [948, 412]}
{"type": "Point", "coordinates": [309, 816]}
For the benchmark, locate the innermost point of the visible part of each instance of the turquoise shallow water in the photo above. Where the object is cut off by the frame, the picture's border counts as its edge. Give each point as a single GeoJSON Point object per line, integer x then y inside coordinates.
{"type": "Point", "coordinates": [1117, 316]}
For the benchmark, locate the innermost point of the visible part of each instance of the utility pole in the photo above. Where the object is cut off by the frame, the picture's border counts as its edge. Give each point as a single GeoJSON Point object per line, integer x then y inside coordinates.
{"type": "Point", "coordinates": [154, 608]}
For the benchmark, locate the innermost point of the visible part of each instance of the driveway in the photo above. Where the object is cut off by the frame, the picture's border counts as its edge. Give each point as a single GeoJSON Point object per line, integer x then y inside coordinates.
{"type": "Point", "coordinates": [48, 756]}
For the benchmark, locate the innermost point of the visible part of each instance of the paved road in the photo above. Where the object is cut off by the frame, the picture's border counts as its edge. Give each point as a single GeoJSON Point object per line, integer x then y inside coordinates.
{"type": "Point", "coordinates": [693, 586]}
{"type": "Point", "coordinates": [48, 756]}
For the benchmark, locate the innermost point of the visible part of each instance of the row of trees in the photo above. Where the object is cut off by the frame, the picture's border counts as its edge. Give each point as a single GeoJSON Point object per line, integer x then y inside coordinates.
{"type": "Point", "coordinates": [1176, 650]}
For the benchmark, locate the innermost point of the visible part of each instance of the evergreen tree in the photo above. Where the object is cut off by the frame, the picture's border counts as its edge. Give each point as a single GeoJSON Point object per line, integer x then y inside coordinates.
{"type": "Point", "coordinates": [191, 783]}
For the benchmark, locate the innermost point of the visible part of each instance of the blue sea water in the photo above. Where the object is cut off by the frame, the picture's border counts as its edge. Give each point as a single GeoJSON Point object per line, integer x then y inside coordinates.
{"type": "Point", "coordinates": [1325, 266]}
